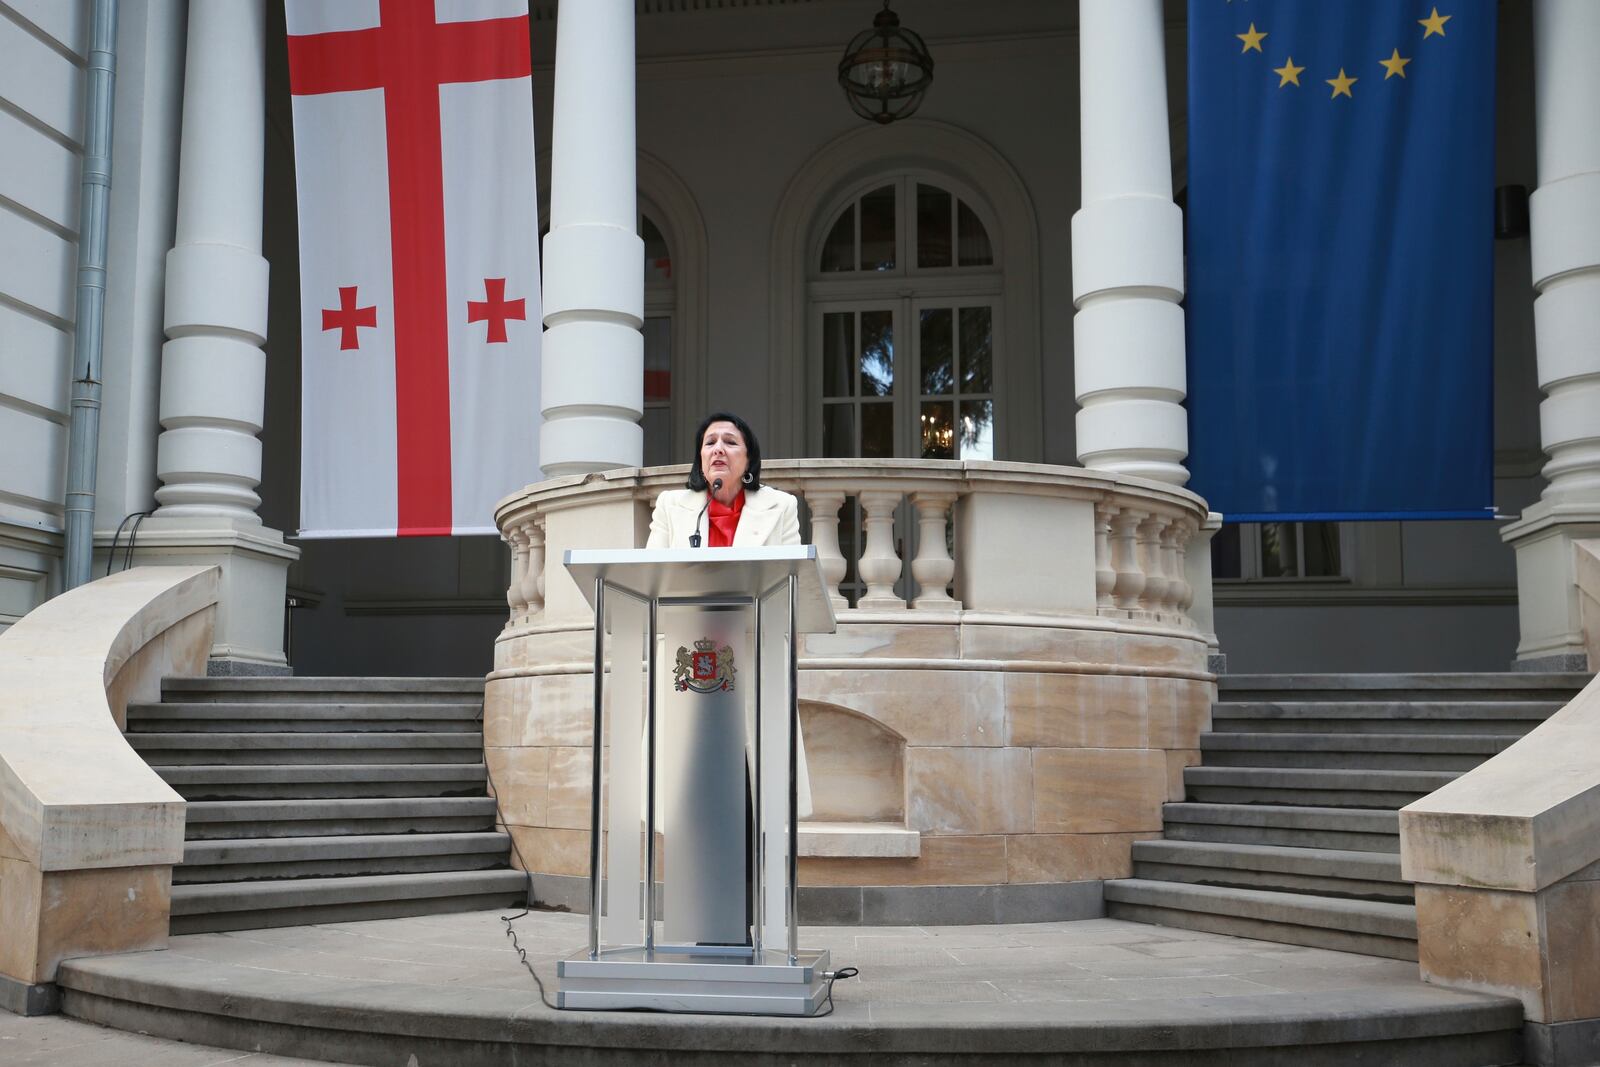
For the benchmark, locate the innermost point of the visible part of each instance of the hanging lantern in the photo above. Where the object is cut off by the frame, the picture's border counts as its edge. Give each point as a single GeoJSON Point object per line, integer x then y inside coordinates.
{"type": "Point", "coordinates": [885, 70]}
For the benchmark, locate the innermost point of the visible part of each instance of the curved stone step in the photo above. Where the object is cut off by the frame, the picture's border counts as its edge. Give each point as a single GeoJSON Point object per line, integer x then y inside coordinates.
{"type": "Point", "coordinates": [269, 717]}
{"type": "Point", "coordinates": [1326, 871]}
{"type": "Point", "coordinates": [1348, 829]}
{"type": "Point", "coordinates": [304, 689]}
{"type": "Point", "coordinates": [326, 781]}
{"type": "Point", "coordinates": [1311, 786]}
{"type": "Point", "coordinates": [257, 859]}
{"type": "Point", "coordinates": [1382, 717]}
{"type": "Point", "coordinates": [1508, 685]}
{"type": "Point", "coordinates": [1371, 927]}
{"type": "Point", "coordinates": [300, 902]}
{"type": "Point", "coordinates": [166, 750]}
{"type": "Point", "coordinates": [232, 819]}
{"type": "Point", "coordinates": [1336, 751]}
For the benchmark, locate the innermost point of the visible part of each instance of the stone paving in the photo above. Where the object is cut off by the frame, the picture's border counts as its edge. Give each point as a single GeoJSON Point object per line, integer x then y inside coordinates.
{"type": "Point", "coordinates": [57, 1041]}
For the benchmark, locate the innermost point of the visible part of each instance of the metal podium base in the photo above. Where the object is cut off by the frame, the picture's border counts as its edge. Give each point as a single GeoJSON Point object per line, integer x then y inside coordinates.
{"type": "Point", "coordinates": [668, 980]}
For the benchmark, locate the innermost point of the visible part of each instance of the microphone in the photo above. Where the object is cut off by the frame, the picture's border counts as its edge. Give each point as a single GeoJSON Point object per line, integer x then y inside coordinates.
{"type": "Point", "coordinates": [694, 538]}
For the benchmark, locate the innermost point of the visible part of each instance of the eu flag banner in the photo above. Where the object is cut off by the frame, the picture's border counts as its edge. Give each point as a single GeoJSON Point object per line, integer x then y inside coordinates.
{"type": "Point", "coordinates": [1340, 258]}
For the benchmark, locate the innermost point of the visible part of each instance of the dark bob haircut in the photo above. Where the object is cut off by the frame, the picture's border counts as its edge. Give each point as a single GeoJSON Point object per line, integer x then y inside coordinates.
{"type": "Point", "coordinates": [697, 477]}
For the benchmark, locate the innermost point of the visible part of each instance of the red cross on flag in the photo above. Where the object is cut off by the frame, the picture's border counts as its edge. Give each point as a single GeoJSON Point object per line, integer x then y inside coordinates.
{"type": "Point", "coordinates": [419, 269]}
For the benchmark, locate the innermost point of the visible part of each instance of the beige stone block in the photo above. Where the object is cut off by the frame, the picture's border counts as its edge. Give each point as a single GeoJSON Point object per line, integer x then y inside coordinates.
{"type": "Point", "coordinates": [944, 861]}
{"type": "Point", "coordinates": [1571, 914]}
{"type": "Point", "coordinates": [1482, 939]}
{"type": "Point", "coordinates": [20, 892]}
{"type": "Point", "coordinates": [1078, 710]}
{"type": "Point", "coordinates": [963, 708]}
{"type": "Point", "coordinates": [856, 764]}
{"type": "Point", "coordinates": [875, 640]}
{"type": "Point", "coordinates": [548, 850]}
{"type": "Point", "coordinates": [178, 652]}
{"type": "Point", "coordinates": [560, 711]}
{"type": "Point", "coordinates": [969, 790]}
{"type": "Point", "coordinates": [8, 847]}
{"type": "Point", "coordinates": [1181, 712]}
{"type": "Point", "coordinates": [571, 783]}
{"type": "Point", "coordinates": [100, 912]}
{"type": "Point", "coordinates": [1098, 790]}
{"type": "Point", "coordinates": [1070, 857]}
{"type": "Point", "coordinates": [1051, 643]}
{"type": "Point", "coordinates": [521, 780]}
{"type": "Point", "coordinates": [1149, 650]}
{"type": "Point", "coordinates": [1176, 762]}
{"type": "Point", "coordinates": [504, 705]}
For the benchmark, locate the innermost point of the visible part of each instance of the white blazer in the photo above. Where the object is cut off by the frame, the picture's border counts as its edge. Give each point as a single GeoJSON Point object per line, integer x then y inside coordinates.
{"type": "Point", "coordinates": [769, 517]}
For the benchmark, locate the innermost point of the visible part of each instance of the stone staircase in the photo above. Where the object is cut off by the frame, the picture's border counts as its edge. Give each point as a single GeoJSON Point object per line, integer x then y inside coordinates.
{"type": "Point", "coordinates": [326, 799]}
{"type": "Point", "coordinates": [1289, 830]}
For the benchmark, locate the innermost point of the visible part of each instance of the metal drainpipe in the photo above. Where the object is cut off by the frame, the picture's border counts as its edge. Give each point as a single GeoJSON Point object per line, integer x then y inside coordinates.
{"type": "Point", "coordinates": [93, 217]}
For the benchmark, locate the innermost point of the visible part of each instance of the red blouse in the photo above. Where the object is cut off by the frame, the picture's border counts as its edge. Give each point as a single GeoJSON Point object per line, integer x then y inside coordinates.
{"type": "Point", "coordinates": [724, 520]}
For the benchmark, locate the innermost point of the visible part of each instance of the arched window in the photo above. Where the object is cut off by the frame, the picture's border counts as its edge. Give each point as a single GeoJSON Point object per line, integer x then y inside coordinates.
{"type": "Point", "coordinates": [905, 296]}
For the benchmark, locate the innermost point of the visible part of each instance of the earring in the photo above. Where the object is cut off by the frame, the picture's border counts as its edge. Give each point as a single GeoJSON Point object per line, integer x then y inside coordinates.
{"type": "Point", "coordinates": [748, 478]}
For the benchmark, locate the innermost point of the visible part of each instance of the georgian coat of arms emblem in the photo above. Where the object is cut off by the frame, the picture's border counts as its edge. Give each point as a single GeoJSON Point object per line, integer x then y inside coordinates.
{"type": "Point", "coordinates": [708, 669]}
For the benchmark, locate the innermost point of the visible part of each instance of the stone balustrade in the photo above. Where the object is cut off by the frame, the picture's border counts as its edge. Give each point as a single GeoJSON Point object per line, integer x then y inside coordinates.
{"type": "Point", "coordinates": [1507, 864]}
{"type": "Point", "coordinates": [1023, 535]}
{"type": "Point", "coordinates": [88, 832]}
{"type": "Point", "coordinates": [1018, 678]}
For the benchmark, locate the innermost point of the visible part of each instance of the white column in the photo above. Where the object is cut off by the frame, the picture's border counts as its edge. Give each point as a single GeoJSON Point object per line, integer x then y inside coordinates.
{"type": "Point", "coordinates": [1565, 237]}
{"type": "Point", "coordinates": [1127, 251]}
{"type": "Point", "coordinates": [213, 371]}
{"type": "Point", "coordinates": [592, 387]}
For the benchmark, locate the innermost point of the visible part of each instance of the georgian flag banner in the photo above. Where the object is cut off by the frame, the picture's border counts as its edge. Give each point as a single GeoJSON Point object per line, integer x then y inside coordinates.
{"type": "Point", "coordinates": [419, 270]}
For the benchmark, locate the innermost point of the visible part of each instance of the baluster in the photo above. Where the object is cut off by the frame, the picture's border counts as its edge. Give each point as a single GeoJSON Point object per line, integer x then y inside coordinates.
{"type": "Point", "coordinates": [879, 566]}
{"type": "Point", "coordinates": [533, 577]}
{"type": "Point", "coordinates": [1185, 596]}
{"type": "Point", "coordinates": [1125, 559]}
{"type": "Point", "coordinates": [1155, 577]}
{"type": "Point", "coordinates": [933, 568]}
{"type": "Point", "coordinates": [1105, 575]}
{"type": "Point", "coordinates": [1172, 564]}
{"type": "Point", "coordinates": [519, 567]}
{"type": "Point", "coordinates": [825, 505]}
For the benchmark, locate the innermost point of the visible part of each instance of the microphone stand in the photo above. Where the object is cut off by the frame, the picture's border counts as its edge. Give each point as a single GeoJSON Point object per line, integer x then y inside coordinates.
{"type": "Point", "coordinates": [694, 538]}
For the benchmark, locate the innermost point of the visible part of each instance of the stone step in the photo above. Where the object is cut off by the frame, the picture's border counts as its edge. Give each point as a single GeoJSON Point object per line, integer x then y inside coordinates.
{"type": "Point", "coordinates": [164, 750]}
{"type": "Point", "coordinates": [306, 901]}
{"type": "Point", "coordinates": [1375, 928]}
{"type": "Point", "coordinates": [1324, 871]}
{"type": "Point", "coordinates": [1395, 687]}
{"type": "Point", "coordinates": [1500, 717]}
{"type": "Point", "coordinates": [232, 819]}
{"type": "Point", "coordinates": [279, 717]}
{"type": "Point", "coordinates": [301, 690]}
{"type": "Point", "coordinates": [255, 859]}
{"type": "Point", "coordinates": [1394, 752]}
{"type": "Point", "coordinates": [1310, 786]}
{"type": "Point", "coordinates": [326, 780]}
{"type": "Point", "coordinates": [1347, 829]}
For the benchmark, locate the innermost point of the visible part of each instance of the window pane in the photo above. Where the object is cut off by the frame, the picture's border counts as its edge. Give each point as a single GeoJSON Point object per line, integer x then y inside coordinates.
{"type": "Point", "coordinates": [658, 358]}
{"type": "Point", "coordinates": [974, 247]}
{"type": "Point", "coordinates": [839, 250]}
{"type": "Point", "coordinates": [1279, 559]}
{"type": "Point", "coordinates": [977, 353]}
{"type": "Point", "coordinates": [1227, 557]}
{"type": "Point", "coordinates": [1322, 549]}
{"type": "Point", "coordinates": [933, 226]}
{"type": "Point", "coordinates": [977, 429]}
{"type": "Point", "coordinates": [877, 429]}
{"type": "Point", "coordinates": [657, 425]}
{"type": "Point", "coordinates": [839, 431]}
{"type": "Point", "coordinates": [877, 229]}
{"type": "Point", "coordinates": [838, 349]}
{"type": "Point", "coordinates": [938, 363]}
{"type": "Point", "coordinates": [657, 257]}
{"type": "Point", "coordinates": [938, 430]}
{"type": "Point", "coordinates": [877, 353]}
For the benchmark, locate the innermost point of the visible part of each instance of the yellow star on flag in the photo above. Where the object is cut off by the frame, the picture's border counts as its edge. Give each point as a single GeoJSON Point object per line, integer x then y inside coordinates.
{"type": "Point", "coordinates": [1288, 74]}
{"type": "Point", "coordinates": [1434, 23]}
{"type": "Point", "coordinates": [1341, 84]}
{"type": "Point", "coordinates": [1394, 65]}
{"type": "Point", "coordinates": [1252, 39]}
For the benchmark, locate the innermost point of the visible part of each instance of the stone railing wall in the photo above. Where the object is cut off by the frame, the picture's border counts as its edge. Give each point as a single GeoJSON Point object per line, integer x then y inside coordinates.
{"type": "Point", "coordinates": [1507, 864]}
{"type": "Point", "coordinates": [88, 832]}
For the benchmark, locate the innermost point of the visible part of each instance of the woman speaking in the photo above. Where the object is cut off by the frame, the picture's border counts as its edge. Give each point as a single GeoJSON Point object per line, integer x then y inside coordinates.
{"type": "Point", "coordinates": [725, 503]}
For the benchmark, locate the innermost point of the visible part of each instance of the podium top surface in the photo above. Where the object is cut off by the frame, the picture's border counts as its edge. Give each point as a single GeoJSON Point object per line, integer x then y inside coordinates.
{"type": "Point", "coordinates": [709, 572]}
